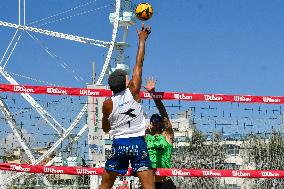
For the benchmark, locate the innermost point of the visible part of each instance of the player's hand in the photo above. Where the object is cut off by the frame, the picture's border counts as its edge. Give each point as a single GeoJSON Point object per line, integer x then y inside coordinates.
{"type": "Point", "coordinates": [150, 84]}
{"type": "Point", "coordinates": [144, 32]}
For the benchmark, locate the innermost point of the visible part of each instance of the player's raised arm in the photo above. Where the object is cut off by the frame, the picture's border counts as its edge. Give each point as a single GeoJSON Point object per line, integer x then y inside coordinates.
{"type": "Point", "coordinates": [135, 83]}
{"type": "Point", "coordinates": [150, 87]}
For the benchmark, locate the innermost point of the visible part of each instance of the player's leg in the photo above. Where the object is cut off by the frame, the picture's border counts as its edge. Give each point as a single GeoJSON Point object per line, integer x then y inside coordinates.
{"type": "Point", "coordinates": [108, 179]}
{"type": "Point", "coordinates": [141, 164]}
{"type": "Point", "coordinates": [117, 163]}
{"type": "Point", "coordinates": [146, 179]}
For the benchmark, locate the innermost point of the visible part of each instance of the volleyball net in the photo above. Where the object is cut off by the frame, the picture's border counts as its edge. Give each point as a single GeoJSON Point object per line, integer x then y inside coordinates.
{"type": "Point", "coordinates": [221, 141]}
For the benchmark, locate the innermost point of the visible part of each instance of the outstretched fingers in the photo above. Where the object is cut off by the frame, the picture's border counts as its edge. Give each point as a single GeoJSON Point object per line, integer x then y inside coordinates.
{"type": "Point", "coordinates": [150, 84]}
{"type": "Point", "coordinates": [142, 28]}
{"type": "Point", "coordinates": [152, 80]}
{"type": "Point", "coordinates": [148, 29]}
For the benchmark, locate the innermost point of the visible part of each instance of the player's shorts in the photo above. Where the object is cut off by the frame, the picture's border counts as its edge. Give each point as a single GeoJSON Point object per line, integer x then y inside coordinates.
{"type": "Point", "coordinates": [128, 149]}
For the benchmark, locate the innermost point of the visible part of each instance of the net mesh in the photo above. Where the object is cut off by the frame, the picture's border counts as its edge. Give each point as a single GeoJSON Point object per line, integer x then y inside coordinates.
{"type": "Point", "coordinates": [207, 136]}
{"type": "Point", "coordinates": [227, 136]}
{"type": "Point", "coordinates": [36, 131]}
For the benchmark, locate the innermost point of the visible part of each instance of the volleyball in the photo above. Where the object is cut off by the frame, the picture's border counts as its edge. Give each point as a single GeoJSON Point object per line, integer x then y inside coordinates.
{"type": "Point", "coordinates": [144, 11]}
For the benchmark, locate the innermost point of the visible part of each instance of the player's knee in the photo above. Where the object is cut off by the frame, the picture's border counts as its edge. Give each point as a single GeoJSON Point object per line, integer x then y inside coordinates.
{"type": "Point", "coordinates": [106, 184]}
{"type": "Point", "coordinates": [148, 185]}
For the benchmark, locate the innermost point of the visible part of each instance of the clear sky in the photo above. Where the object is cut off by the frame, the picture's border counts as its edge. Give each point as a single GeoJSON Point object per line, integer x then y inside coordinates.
{"type": "Point", "coordinates": [208, 46]}
{"type": "Point", "coordinates": [199, 46]}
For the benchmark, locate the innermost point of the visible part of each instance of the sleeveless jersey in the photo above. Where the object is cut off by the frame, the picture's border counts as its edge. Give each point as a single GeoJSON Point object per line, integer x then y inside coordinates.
{"type": "Point", "coordinates": [127, 117]}
{"type": "Point", "coordinates": [160, 151]}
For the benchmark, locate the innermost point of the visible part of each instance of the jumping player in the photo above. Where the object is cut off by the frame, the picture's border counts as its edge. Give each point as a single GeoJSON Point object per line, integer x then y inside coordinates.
{"type": "Point", "coordinates": [123, 118]}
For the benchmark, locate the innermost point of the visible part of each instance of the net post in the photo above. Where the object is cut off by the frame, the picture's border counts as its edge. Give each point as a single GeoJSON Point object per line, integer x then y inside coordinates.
{"type": "Point", "coordinates": [96, 136]}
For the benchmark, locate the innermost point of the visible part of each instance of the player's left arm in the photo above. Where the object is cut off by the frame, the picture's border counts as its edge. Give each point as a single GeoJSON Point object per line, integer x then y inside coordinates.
{"type": "Point", "coordinates": [169, 128]}
{"type": "Point", "coordinates": [150, 87]}
{"type": "Point", "coordinates": [107, 109]}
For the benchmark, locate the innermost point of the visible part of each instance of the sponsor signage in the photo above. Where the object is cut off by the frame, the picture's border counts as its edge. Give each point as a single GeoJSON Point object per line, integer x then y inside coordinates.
{"type": "Point", "coordinates": [103, 92]}
{"type": "Point", "coordinates": [159, 171]}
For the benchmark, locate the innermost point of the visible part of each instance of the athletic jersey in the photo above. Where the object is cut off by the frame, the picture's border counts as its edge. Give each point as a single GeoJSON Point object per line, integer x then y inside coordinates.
{"type": "Point", "coordinates": [160, 151]}
{"type": "Point", "coordinates": [127, 117]}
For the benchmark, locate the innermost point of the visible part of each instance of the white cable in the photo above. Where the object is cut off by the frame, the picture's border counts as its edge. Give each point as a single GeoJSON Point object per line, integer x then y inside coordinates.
{"type": "Point", "coordinates": [9, 46]}
{"type": "Point", "coordinates": [11, 52]}
{"type": "Point", "coordinates": [57, 14]}
{"type": "Point", "coordinates": [62, 63]}
{"type": "Point", "coordinates": [33, 79]}
{"type": "Point", "coordinates": [68, 17]}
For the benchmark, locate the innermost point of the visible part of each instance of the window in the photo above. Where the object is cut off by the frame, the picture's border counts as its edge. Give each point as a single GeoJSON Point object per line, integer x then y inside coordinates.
{"type": "Point", "coordinates": [231, 149]}
{"type": "Point", "coordinates": [232, 186]}
{"type": "Point", "coordinates": [231, 166]}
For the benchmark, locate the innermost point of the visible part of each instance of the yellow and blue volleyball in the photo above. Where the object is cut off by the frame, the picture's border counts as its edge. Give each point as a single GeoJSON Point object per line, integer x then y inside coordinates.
{"type": "Point", "coordinates": [144, 11]}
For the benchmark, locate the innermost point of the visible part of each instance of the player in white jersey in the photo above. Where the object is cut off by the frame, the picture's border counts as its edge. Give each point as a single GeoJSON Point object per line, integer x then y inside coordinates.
{"type": "Point", "coordinates": [123, 118]}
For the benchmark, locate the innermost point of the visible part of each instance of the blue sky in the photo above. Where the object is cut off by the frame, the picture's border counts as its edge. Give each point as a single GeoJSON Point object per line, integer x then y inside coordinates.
{"type": "Point", "coordinates": [207, 46]}
{"type": "Point", "coordinates": [200, 46]}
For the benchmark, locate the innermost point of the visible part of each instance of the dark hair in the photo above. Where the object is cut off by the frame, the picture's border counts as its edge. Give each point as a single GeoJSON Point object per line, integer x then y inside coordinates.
{"type": "Point", "coordinates": [155, 118]}
{"type": "Point", "coordinates": [117, 81]}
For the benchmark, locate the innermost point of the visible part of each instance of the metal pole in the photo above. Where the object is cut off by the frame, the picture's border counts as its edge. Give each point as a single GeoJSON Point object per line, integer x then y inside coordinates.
{"type": "Point", "coordinates": [93, 72]}
{"type": "Point", "coordinates": [213, 157]}
{"type": "Point", "coordinates": [125, 33]}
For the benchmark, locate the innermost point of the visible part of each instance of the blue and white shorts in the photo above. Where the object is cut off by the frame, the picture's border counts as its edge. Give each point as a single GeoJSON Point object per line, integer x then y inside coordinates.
{"type": "Point", "coordinates": [128, 149]}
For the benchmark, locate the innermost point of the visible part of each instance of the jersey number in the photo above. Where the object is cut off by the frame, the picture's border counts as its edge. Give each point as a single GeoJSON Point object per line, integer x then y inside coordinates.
{"type": "Point", "coordinates": [130, 114]}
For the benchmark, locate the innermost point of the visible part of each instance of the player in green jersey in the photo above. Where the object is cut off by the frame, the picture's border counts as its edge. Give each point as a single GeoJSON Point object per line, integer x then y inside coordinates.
{"type": "Point", "coordinates": [160, 138]}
